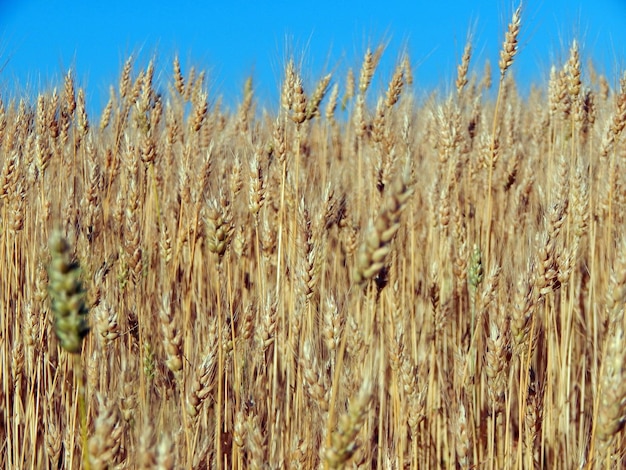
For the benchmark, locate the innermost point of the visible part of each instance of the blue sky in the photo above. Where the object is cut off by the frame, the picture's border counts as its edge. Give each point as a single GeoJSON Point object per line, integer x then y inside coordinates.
{"type": "Point", "coordinates": [39, 40]}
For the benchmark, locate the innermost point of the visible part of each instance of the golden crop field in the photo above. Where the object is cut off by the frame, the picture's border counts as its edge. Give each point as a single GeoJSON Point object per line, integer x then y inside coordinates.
{"type": "Point", "coordinates": [433, 282]}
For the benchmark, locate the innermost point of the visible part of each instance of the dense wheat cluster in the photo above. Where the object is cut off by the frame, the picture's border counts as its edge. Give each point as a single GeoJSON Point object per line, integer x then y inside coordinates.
{"type": "Point", "coordinates": [361, 279]}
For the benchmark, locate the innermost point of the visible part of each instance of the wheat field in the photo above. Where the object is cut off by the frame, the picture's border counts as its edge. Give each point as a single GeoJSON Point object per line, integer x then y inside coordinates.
{"type": "Point", "coordinates": [361, 279]}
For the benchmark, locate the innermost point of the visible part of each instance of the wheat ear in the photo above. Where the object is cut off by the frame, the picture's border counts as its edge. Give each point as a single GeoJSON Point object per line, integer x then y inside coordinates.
{"type": "Point", "coordinates": [376, 246]}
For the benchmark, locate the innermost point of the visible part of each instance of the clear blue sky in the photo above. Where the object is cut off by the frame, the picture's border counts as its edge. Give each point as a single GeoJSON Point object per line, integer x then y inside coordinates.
{"type": "Point", "coordinates": [39, 40]}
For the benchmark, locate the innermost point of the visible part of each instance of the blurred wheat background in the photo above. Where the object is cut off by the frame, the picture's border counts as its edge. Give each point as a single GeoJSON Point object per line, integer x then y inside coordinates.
{"type": "Point", "coordinates": [427, 283]}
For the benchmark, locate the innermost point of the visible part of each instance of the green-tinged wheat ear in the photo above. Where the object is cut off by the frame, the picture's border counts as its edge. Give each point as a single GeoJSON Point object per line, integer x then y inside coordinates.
{"type": "Point", "coordinates": [67, 296]}
{"type": "Point", "coordinates": [475, 270]}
